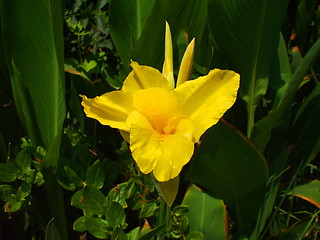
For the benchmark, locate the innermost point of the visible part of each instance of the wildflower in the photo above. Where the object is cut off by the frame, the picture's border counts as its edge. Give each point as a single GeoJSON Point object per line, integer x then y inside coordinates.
{"type": "Point", "coordinates": [162, 122]}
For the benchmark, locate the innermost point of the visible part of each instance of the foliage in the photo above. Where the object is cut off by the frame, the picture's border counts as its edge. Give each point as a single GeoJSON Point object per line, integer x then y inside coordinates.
{"type": "Point", "coordinates": [254, 175]}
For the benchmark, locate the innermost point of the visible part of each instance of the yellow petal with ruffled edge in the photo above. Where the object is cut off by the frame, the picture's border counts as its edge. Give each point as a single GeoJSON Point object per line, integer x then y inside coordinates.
{"type": "Point", "coordinates": [112, 108]}
{"type": "Point", "coordinates": [164, 154]}
{"type": "Point", "coordinates": [207, 98]}
{"type": "Point", "coordinates": [167, 69]}
{"type": "Point", "coordinates": [186, 64]}
{"type": "Point", "coordinates": [142, 77]}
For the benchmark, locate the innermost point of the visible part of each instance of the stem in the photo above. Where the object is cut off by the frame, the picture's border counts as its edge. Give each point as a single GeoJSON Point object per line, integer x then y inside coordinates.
{"type": "Point", "coordinates": [55, 201]}
{"type": "Point", "coordinates": [164, 216]}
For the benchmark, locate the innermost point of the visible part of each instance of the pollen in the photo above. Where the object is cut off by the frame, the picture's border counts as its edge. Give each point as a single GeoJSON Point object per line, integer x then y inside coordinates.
{"type": "Point", "coordinates": [161, 137]}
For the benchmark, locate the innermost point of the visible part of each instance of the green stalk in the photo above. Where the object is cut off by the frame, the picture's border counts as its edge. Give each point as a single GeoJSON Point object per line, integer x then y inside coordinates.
{"type": "Point", "coordinates": [55, 202]}
{"type": "Point", "coordinates": [164, 216]}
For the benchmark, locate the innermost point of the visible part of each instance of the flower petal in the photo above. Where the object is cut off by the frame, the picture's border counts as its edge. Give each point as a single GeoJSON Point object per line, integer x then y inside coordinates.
{"type": "Point", "coordinates": [142, 77]}
{"type": "Point", "coordinates": [111, 108]}
{"type": "Point", "coordinates": [165, 154]}
{"type": "Point", "coordinates": [159, 106]}
{"type": "Point", "coordinates": [207, 98]}
{"type": "Point", "coordinates": [186, 64]}
{"type": "Point", "coordinates": [167, 69]}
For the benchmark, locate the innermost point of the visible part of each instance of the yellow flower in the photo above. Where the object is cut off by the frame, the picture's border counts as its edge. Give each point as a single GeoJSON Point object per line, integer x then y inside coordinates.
{"type": "Point", "coordinates": [162, 123]}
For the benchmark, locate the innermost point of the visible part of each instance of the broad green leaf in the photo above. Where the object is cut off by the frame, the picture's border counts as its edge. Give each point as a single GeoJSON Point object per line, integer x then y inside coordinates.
{"type": "Point", "coordinates": [33, 45]}
{"type": "Point", "coordinates": [195, 236]}
{"type": "Point", "coordinates": [230, 167]}
{"type": "Point", "coordinates": [23, 159]}
{"type": "Point", "coordinates": [115, 215]}
{"type": "Point", "coordinates": [77, 198]}
{"type": "Point", "coordinates": [149, 48]}
{"type": "Point", "coordinates": [94, 201]}
{"type": "Point", "coordinates": [309, 192]}
{"type": "Point", "coordinates": [8, 172]}
{"type": "Point", "coordinates": [95, 226]}
{"type": "Point", "coordinates": [127, 20]}
{"type": "Point", "coordinates": [119, 194]}
{"type": "Point", "coordinates": [276, 121]}
{"type": "Point", "coordinates": [206, 214]}
{"type": "Point", "coordinates": [6, 191]}
{"type": "Point", "coordinates": [80, 224]}
{"type": "Point", "coordinates": [247, 34]}
{"type": "Point", "coordinates": [95, 175]}
{"type": "Point", "coordinates": [197, 27]}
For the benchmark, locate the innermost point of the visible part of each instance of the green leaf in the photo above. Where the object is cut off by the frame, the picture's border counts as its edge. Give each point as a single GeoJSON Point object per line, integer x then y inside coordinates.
{"type": "Point", "coordinates": [34, 53]}
{"type": "Point", "coordinates": [23, 159]}
{"type": "Point", "coordinates": [280, 73]}
{"type": "Point", "coordinates": [232, 169]}
{"type": "Point", "coordinates": [148, 209]}
{"type": "Point", "coordinates": [180, 210]}
{"type": "Point", "coordinates": [95, 175]}
{"type": "Point", "coordinates": [306, 143]}
{"type": "Point", "coordinates": [127, 20]}
{"type": "Point", "coordinates": [197, 27]}
{"type": "Point", "coordinates": [134, 234]}
{"type": "Point", "coordinates": [51, 231]}
{"type": "Point", "coordinates": [119, 194]}
{"type": "Point", "coordinates": [115, 215]}
{"type": "Point", "coordinates": [276, 121]}
{"type": "Point", "coordinates": [247, 35]}
{"type": "Point", "coordinates": [206, 214]}
{"type": "Point", "coordinates": [94, 201]}
{"type": "Point", "coordinates": [80, 224]}
{"type": "Point", "coordinates": [296, 231]}
{"type": "Point", "coordinates": [118, 234]}
{"type": "Point", "coordinates": [152, 233]}
{"type": "Point", "coordinates": [95, 226]}
{"type": "Point", "coordinates": [195, 236]}
{"type": "Point", "coordinates": [77, 199]}
{"type": "Point", "coordinates": [309, 192]}
{"type": "Point", "coordinates": [303, 27]}
{"type": "Point", "coordinates": [73, 176]}
{"type": "Point", "coordinates": [88, 66]}
{"type": "Point", "coordinates": [149, 48]}
{"type": "Point", "coordinates": [8, 172]}
{"type": "Point", "coordinates": [24, 190]}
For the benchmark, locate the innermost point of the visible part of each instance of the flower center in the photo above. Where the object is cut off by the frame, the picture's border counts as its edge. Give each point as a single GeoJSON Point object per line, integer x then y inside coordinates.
{"type": "Point", "coordinates": [160, 107]}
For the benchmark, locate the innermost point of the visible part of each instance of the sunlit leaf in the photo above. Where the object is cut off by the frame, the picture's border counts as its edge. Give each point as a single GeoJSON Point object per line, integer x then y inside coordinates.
{"type": "Point", "coordinates": [309, 192]}
{"type": "Point", "coordinates": [206, 214]}
{"type": "Point", "coordinates": [33, 45]}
